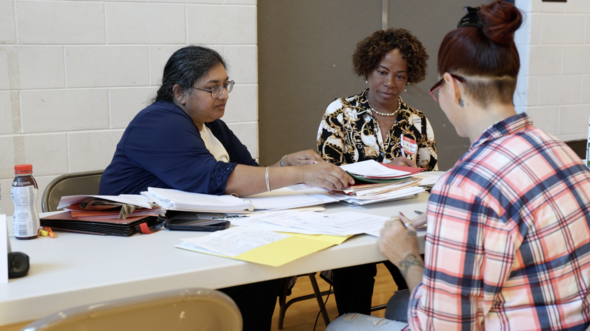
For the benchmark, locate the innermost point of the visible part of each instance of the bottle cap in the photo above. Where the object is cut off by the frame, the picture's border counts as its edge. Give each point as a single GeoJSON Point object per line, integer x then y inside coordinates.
{"type": "Point", "coordinates": [23, 169]}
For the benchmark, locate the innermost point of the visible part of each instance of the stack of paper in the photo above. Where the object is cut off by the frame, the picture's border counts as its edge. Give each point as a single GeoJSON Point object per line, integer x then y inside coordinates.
{"type": "Point", "coordinates": [429, 178]}
{"type": "Point", "coordinates": [372, 193]}
{"type": "Point", "coordinates": [405, 193]}
{"type": "Point", "coordinates": [179, 200]}
{"type": "Point", "coordinates": [371, 171]}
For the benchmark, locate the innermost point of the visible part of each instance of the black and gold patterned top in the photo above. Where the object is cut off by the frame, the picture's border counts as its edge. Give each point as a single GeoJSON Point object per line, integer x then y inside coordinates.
{"type": "Point", "coordinates": [349, 133]}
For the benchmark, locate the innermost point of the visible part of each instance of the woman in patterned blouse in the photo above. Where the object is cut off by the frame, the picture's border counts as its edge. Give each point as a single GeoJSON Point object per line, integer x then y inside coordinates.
{"type": "Point", "coordinates": [372, 124]}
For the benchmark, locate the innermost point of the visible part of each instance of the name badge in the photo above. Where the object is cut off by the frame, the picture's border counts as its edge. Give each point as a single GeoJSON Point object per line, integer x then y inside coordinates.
{"type": "Point", "coordinates": [409, 145]}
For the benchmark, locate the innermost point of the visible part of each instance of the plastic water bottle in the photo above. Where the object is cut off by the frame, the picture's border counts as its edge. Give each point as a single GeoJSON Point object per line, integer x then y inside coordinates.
{"type": "Point", "coordinates": [24, 193]}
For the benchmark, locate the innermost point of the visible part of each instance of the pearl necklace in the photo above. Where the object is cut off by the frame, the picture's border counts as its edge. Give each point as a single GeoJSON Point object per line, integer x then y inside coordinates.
{"type": "Point", "coordinates": [399, 105]}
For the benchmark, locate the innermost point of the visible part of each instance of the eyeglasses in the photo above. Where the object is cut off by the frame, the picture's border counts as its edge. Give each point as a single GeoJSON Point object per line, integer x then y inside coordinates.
{"type": "Point", "coordinates": [216, 90]}
{"type": "Point", "coordinates": [441, 81]}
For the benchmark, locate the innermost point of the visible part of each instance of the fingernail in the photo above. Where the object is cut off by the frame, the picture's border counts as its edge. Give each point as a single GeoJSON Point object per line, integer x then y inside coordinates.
{"type": "Point", "coordinates": [402, 214]}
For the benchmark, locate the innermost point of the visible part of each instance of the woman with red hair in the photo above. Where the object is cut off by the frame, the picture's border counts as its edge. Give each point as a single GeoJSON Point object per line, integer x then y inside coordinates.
{"type": "Point", "coordinates": [508, 243]}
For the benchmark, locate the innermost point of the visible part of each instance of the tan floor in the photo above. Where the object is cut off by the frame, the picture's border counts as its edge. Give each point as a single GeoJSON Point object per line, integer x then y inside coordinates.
{"type": "Point", "coordinates": [301, 315]}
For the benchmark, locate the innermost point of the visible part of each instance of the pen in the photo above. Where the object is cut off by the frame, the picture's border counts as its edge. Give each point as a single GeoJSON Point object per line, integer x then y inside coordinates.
{"type": "Point", "coordinates": [418, 212]}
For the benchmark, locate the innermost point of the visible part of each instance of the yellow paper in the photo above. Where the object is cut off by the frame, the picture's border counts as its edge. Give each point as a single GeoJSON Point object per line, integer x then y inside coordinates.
{"type": "Point", "coordinates": [336, 240]}
{"type": "Point", "coordinates": [281, 252]}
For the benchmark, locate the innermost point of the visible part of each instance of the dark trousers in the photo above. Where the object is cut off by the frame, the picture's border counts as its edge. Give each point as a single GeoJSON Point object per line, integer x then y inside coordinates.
{"type": "Point", "coordinates": [353, 286]}
{"type": "Point", "coordinates": [256, 302]}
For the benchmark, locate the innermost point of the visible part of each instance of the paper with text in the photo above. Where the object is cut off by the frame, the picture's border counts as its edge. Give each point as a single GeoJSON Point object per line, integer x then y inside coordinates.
{"type": "Point", "coordinates": [362, 222]}
{"type": "Point", "coordinates": [235, 241]}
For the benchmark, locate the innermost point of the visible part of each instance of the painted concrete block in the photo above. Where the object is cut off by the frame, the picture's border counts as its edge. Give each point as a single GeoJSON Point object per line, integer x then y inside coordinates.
{"type": "Point", "coordinates": [92, 150]}
{"type": "Point", "coordinates": [127, 102]}
{"type": "Point", "coordinates": [239, 24]}
{"type": "Point", "coordinates": [64, 110]}
{"type": "Point", "coordinates": [67, 22]}
{"type": "Point", "coordinates": [137, 23]}
{"type": "Point", "coordinates": [94, 66]}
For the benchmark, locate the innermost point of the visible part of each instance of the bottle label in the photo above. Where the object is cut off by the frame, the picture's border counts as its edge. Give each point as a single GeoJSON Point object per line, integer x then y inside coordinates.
{"type": "Point", "coordinates": [26, 219]}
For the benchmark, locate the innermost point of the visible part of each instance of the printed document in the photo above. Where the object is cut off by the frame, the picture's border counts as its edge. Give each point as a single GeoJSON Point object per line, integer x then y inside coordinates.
{"type": "Point", "coordinates": [296, 222]}
{"type": "Point", "coordinates": [234, 241]}
{"type": "Point", "coordinates": [365, 223]}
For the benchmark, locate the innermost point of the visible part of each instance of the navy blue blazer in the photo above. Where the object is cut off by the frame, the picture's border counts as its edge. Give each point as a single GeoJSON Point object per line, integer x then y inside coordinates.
{"type": "Point", "coordinates": [162, 147]}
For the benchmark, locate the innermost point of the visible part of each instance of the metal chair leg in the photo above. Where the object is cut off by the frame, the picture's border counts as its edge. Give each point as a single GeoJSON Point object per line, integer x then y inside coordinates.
{"type": "Point", "coordinates": [283, 304]}
{"type": "Point", "coordinates": [282, 299]}
{"type": "Point", "coordinates": [318, 296]}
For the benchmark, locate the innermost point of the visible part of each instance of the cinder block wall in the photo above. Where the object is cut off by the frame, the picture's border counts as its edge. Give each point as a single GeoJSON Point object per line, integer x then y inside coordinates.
{"type": "Point", "coordinates": [554, 83]}
{"type": "Point", "coordinates": [74, 73]}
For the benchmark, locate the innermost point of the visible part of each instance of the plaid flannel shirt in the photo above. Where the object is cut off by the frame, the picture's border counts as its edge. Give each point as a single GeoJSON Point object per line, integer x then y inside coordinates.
{"type": "Point", "coordinates": [508, 242]}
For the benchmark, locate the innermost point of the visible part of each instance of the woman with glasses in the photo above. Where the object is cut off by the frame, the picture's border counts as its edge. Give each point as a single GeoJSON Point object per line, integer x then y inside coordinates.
{"type": "Point", "coordinates": [180, 142]}
{"type": "Point", "coordinates": [508, 225]}
{"type": "Point", "coordinates": [377, 125]}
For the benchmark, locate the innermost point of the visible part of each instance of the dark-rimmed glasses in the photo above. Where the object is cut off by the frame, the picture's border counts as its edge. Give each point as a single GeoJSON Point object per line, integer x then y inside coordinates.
{"type": "Point", "coordinates": [216, 90]}
{"type": "Point", "coordinates": [441, 81]}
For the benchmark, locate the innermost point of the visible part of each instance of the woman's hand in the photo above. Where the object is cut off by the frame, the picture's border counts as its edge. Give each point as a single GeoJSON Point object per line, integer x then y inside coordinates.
{"type": "Point", "coordinates": [396, 241]}
{"type": "Point", "coordinates": [402, 161]}
{"type": "Point", "coordinates": [399, 243]}
{"type": "Point", "coordinates": [302, 158]}
{"type": "Point", "coordinates": [326, 175]}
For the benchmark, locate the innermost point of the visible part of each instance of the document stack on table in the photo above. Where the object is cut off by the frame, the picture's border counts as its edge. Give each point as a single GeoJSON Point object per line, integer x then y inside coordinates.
{"type": "Point", "coordinates": [371, 171]}
{"type": "Point", "coordinates": [378, 182]}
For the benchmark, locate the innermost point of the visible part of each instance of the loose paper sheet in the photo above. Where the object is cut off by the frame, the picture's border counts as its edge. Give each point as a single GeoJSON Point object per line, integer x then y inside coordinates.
{"type": "Point", "coordinates": [276, 253]}
{"type": "Point", "coordinates": [235, 241]}
{"type": "Point", "coordinates": [366, 223]}
{"type": "Point", "coordinates": [294, 221]}
{"type": "Point", "coordinates": [3, 250]}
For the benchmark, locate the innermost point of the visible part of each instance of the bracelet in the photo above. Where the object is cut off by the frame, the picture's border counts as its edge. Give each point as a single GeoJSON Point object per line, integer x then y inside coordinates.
{"type": "Point", "coordinates": [282, 164]}
{"type": "Point", "coordinates": [266, 178]}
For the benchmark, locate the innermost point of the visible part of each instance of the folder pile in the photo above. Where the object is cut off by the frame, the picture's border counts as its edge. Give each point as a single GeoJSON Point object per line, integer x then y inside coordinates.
{"type": "Point", "coordinates": [123, 215]}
